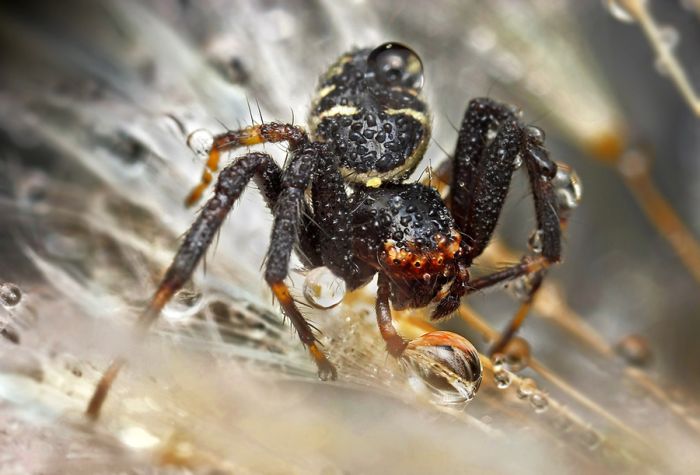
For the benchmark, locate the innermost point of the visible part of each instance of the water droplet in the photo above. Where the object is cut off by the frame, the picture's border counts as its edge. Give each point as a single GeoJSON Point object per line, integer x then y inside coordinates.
{"type": "Point", "coordinates": [567, 189]}
{"type": "Point", "coordinates": [184, 304]}
{"type": "Point", "coordinates": [590, 438]}
{"type": "Point", "coordinates": [502, 379]}
{"type": "Point", "coordinates": [539, 402]}
{"type": "Point", "coordinates": [619, 11]}
{"type": "Point", "coordinates": [498, 361]}
{"type": "Point", "coordinates": [200, 142]}
{"type": "Point", "coordinates": [444, 366]}
{"type": "Point", "coordinates": [635, 349]}
{"type": "Point", "coordinates": [523, 287]}
{"type": "Point", "coordinates": [526, 388]}
{"type": "Point", "coordinates": [517, 354]}
{"type": "Point", "coordinates": [534, 242]}
{"type": "Point", "coordinates": [323, 289]}
{"type": "Point", "coordinates": [10, 294]}
{"type": "Point", "coordinates": [535, 133]}
{"type": "Point", "coordinates": [669, 36]}
{"type": "Point", "coordinates": [518, 161]}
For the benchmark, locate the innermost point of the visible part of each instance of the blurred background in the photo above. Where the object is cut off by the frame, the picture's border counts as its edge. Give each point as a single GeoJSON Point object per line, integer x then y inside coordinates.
{"type": "Point", "coordinates": [97, 101]}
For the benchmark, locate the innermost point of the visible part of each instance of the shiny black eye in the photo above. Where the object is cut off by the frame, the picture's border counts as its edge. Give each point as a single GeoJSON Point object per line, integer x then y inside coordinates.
{"type": "Point", "coordinates": [393, 64]}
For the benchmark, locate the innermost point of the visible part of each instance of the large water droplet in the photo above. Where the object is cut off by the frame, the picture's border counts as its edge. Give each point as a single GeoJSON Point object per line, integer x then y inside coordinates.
{"type": "Point", "coordinates": [10, 294]}
{"type": "Point", "coordinates": [444, 366]}
{"type": "Point", "coordinates": [323, 289]}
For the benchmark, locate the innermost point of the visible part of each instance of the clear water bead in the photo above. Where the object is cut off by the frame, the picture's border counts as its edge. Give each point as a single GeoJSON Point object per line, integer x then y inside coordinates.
{"type": "Point", "coordinates": [200, 142]}
{"type": "Point", "coordinates": [323, 289]}
{"type": "Point", "coordinates": [539, 402]}
{"type": "Point", "coordinates": [534, 242]}
{"type": "Point", "coordinates": [502, 379]}
{"type": "Point", "coordinates": [619, 10]}
{"type": "Point", "coordinates": [635, 349]}
{"type": "Point", "coordinates": [567, 189]}
{"type": "Point", "coordinates": [527, 388]}
{"type": "Point", "coordinates": [184, 304]}
{"type": "Point", "coordinates": [10, 294]}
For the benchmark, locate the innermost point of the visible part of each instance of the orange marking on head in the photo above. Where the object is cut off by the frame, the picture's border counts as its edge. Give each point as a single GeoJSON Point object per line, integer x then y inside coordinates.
{"type": "Point", "coordinates": [415, 261]}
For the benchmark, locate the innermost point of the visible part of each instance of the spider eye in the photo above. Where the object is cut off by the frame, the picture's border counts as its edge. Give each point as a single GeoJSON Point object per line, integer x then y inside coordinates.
{"type": "Point", "coordinates": [393, 64]}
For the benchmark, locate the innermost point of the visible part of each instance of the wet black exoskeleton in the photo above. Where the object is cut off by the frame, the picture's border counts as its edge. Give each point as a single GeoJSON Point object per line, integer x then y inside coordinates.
{"type": "Point", "coordinates": [342, 201]}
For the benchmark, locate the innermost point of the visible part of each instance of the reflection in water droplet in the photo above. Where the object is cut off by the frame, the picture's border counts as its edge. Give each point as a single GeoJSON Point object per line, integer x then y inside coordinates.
{"type": "Point", "coordinates": [200, 141]}
{"type": "Point", "coordinates": [10, 294]}
{"type": "Point", "coordinates": [539, 401]}
{"type": "Point", "coordinates": [444, 366]}
{"type": "Point", "coordinates": [323, 289]}
{"type": "Point", "coordinates": [619, 11]}
{"type": "Point", "coordinates": [502, 379]}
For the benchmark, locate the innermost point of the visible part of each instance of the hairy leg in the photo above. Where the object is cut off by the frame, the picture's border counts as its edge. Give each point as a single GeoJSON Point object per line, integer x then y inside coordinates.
{"type": "Point", "coordinates": [230, 185]}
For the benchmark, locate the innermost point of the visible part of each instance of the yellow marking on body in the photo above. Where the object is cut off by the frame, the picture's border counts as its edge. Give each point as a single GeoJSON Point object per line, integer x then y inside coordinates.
{"type": "Point", "coordinates": [324, 91]}
{"type": "Point", "coordinates": [332, 112]}
{"type": "Point", "coordinates": [338, 110]}
{"type": "Point", "coordinates": [374, 182]}
{"type": "Point", "coordinates": [337, 67]}
{"type": "Point", "coordinates": [419, 116]}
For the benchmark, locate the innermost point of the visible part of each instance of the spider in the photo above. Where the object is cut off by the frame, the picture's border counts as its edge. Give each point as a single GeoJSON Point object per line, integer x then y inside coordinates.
{"type": "Point", "coordinates": [343, 200]}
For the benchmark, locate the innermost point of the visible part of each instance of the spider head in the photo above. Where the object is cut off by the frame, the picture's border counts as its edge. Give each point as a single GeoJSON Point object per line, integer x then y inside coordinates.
{"type": "Point", "coordinates": [368, 109]}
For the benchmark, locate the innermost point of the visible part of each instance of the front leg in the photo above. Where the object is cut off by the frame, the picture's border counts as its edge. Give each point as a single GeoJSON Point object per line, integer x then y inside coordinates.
{"type": "Point", "coordinates": [253, 135]}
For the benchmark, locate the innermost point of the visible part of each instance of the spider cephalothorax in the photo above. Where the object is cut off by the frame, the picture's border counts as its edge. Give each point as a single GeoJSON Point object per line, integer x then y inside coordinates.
{"type": "Point", "coordinates": [342, 200]}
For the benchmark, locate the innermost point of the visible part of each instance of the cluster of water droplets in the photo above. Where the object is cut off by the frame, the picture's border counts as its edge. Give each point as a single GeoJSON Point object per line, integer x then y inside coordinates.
{"type": "Point", "coordinates": [503, 375]}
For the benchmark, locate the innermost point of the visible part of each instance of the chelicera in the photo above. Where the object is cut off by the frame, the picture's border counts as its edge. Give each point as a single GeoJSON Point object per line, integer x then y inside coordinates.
{"type": "Point", "coordinates": [343, 201]}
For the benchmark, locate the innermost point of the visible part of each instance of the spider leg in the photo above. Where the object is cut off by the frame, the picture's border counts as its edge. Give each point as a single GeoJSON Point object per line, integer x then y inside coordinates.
{"type": "Point", "coordinates": [535, 269]}
{"type": "Point", "coordinates": [231, 183]}
{"type": "Point", "coordinates": [288, 219]}
{"type": "Point", "coordinates": [480, 181]}
{"type": "Point", "coordinates": [232, 139]}
{"type": "Point", "coordinates": [395, 344]}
